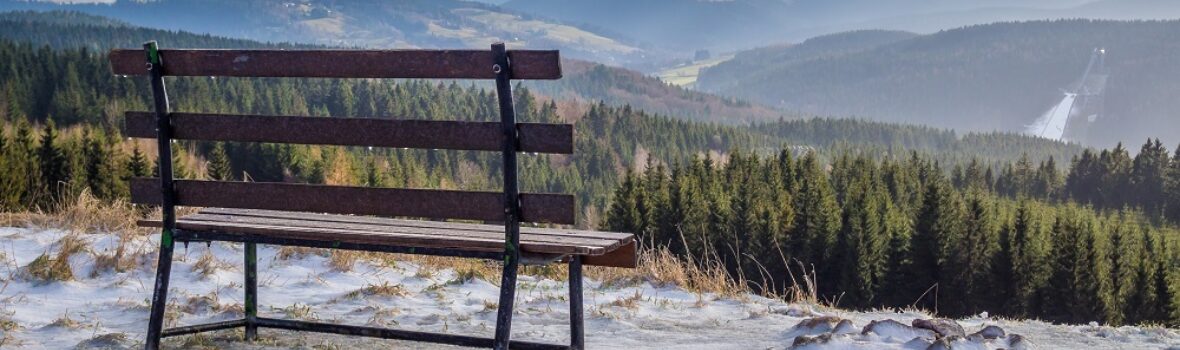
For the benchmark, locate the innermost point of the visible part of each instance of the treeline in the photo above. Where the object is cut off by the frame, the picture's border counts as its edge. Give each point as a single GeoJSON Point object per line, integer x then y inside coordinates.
{"type": "Point", "coordinates": [898, 232]}
{"type": "Point", "coordinates": [992, 149]}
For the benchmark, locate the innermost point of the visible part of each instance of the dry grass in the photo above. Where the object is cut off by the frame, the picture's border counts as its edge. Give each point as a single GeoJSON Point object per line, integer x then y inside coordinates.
{"type": "Point", "coordinates": [119, 260]}
{"type": "Point", "coordinates": [630, 302]}
{"type": "Point", "coordinates": [84, 214]}
{"type": "Point", "coordinates": [47, 269]}
{"type": "Point", "coordinates": [383, 289]}
{"type": "Point", "coordinates": [288, 252]}
{"type": "Point", "coordinates": [208, 264]}
{"type": "Point", "coordinates": [662, 268]}
{"type": "Point", "coordinates": [343, 260]}
{"type": "Point", "coordinates": [7, 324]}
{"type": "Point", "coordinates": [65, 322]}
{"type": "Point", "coordinates": [298, 311]}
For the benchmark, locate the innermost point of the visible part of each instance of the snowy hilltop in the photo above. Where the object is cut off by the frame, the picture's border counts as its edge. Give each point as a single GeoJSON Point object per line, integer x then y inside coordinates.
{"type": "Point", "coordinates": [66, 289]}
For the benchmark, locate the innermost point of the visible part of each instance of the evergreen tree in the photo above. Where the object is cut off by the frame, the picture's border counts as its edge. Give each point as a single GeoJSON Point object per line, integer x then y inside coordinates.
{"type": "Point", "coordinates": [817, 220]}
{"type": "Point", "coordinates": [1148, 176]}
{"type": "Point", "coordinates": [219, 168]}
{"type": "Point", "coordinates": [101, 173]}
{"type": "Point", "coordinates": [972, 256]}
{"type": "Point", "coordinates": [1172, 190]}
{"type": "Point", "coordinates": [1029, 267]}
{"type": "Point", "coordinates": [863, 240]}
{"type": "Point", "coordinates": [54, 166]}
{"type": "Point", "coordinates": [938, 223]}
{"type": "Point", "coordinates": [137, 165]}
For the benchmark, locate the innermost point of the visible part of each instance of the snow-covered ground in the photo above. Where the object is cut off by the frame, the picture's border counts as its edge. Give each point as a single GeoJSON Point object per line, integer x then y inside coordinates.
{"type": "Point", "coordinates": [108, 309]}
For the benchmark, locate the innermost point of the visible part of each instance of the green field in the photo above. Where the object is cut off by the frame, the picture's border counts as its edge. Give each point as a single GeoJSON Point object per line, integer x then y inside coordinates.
{"type": "Point", "coordinates": [686, 75]}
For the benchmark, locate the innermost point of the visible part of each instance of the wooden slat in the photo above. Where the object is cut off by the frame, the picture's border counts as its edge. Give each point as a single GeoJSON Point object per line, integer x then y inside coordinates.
{"type": "Point", "coordinates": [570, 240]}
{"type": "Point", "coordinates": [626, 256]}
{"type": "Point", "coordinates": [457, 135]}
{"type": "Point", "coordinates": [437, 204]}
{"type": "Point", "coordinates": [497, 229]}
{"type": "Point", "coordinates": [413, 64]}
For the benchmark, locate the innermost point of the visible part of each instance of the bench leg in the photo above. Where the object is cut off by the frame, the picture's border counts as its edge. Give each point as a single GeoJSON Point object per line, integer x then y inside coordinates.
{"type": "Point", "coordinates": [251, 287]}
{"type": "Point", "coordinates": [160, 292]}
{"type": "Point", "coordinates": [577, 322]}
{"type": "Point", "coordinates": [504, 310]}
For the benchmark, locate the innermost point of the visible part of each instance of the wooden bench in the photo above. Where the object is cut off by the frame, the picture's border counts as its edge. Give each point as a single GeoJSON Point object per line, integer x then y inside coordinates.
{"type": "Point", "coordinates": [360, 218]}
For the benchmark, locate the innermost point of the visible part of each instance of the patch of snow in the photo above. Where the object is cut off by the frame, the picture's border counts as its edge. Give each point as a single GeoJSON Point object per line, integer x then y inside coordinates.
{"type": "Point", "coordinates": [110, 309]}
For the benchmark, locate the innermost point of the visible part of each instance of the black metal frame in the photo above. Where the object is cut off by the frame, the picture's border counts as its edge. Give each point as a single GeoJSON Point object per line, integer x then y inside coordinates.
{"type": "Point", "coordinates": [511, 256]}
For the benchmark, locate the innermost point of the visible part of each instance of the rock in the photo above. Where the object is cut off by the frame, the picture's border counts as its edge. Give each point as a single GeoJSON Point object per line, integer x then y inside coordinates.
{"type": "Point", "coordinates": [943, 327]}
{"type": "Point", "coordinates": [1017, 342]}
{"type": "Point", "coordinates": [804, 340]}
{"type": "Point", "coordinates": [989, 332]}
{"type": "Point", "coordinates": [816, 325]}
{"type": "Point", "coordinates": [940, 344]}
{"type": "Point", "coordinates": [917, 343]}
{"type": "Point", "coordinates": [897, 330]}
{"type": "Point", "coordinates": [845, 327]}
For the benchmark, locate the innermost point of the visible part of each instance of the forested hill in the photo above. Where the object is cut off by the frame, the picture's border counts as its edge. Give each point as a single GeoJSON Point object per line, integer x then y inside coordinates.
{"type": "Point", "coordinates": [67, 29]}
{"type": "Point", "coordinates": [583, 81]}
{"type": "Point", "coordinates": [376, 24]}
{"type": "Point", "coordinates": [990, 77]}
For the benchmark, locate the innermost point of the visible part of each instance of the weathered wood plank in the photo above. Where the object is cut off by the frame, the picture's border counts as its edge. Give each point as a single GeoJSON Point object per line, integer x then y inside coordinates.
{"type": "Point", "coordinates": [497, 229]}
{"type": "Point", "coordinates": [411, 64]}
{"type": "Point", "coordinates": [457, 135]}
{"type": "Point", "coordinates": [567, 240]}
{"type": "Point", "coordinates": [437, 204]}
{"type": "Point", "coordinates": [626, 256]}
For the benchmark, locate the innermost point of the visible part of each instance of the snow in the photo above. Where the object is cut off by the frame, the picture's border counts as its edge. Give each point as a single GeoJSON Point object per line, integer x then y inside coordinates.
{"type": "Point", "coordinates": [1052, 124]}
{"type": "Point", "coordinates": [110, 308]}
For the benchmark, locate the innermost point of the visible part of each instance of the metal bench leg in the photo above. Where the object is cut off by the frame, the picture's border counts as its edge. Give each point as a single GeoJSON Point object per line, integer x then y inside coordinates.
{"type": "Point", "coordinates": [577, 322]}
{"type": "Point", "coordinates": [160, 292]}
{"type": "Point", "coordinates": [251, 287]}
{"type": "Point", "coordinates": [504, 310]}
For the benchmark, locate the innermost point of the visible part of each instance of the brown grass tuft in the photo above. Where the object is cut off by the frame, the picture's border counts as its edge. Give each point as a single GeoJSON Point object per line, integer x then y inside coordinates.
{"type": "Point", "coordinates": [84, 214]}
{"type": "Point", "coordinates": [630, 302]}
{"type": "Point", "coordinates": [383, 289]}
{"type": "Point", "coordinates": [662, 267]}
{"type": "Point", "coordinates": [47, 269]}
{"type": "Point", "coordinates": [342, 260]}
{"type": "Point", "coordinates": [208, 264]}
{"type": "Point", "coordinates": [65, 322]}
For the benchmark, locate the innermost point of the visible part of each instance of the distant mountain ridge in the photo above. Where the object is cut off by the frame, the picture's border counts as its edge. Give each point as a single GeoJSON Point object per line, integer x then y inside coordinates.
{"type": "Point", "coordinates": [980, 78]}
{"type": "Point", "coordinates": [375, 24]}
{"type": "Point", "coordinates": [687, 25]}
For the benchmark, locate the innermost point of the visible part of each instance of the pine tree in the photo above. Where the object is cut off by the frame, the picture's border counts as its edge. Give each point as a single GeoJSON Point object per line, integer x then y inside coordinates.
{"type": "Point", "coordinates": [137, 165]}
{"type": "Point", "coordinates": [817, 218]}
{"type": "Point", "coordinates": [23, 176]}
{"type": "Point", "coordinates": [863, 240]}
{"type": "Point", "coordinates": [938, 222]}
{"type": "Point", "coordinates": [973, 255]}
{"type": "Point", "coordinates": [219, 168]}
{"type": "Point", "coordinates": [1060, 301]}
{"type": "Point", "coordinates": [1173, 187]}
{"type": "Point", "coordinates": [1147, 177]}
{"type": "Point", "coordinates": [1030, 270]}
{"type": "Point", "coordinates": [373, 174]}
{"type": "Point", "coordinates": [54, 166]}
{"type": "Point", "coordinates": [1090, 269]}
{"type": "Point", "coordinates": [101, 176]}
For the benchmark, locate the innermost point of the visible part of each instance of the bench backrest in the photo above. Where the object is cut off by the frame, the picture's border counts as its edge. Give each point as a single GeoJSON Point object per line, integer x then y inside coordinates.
{"type": "Point", "coordinates": [506, 136]}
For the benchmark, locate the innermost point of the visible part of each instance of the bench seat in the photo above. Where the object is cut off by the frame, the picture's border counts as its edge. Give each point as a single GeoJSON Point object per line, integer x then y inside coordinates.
{"type": "Point", "coordinates": [597, 248]}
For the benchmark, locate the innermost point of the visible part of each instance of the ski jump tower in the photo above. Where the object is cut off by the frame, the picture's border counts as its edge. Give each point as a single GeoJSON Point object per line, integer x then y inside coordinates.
{"type": "Point", "coordinates": [1088, 104]}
